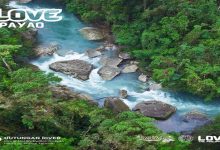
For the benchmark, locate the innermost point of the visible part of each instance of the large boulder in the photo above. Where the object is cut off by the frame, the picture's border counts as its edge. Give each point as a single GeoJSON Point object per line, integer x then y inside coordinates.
{"type": "Point", "coordinates": [63, 93]}
{"type": "Point", "coordinates": [77, 68]}
{"type": "Point", "coordinates": [155, 109]}
{"type": "Point", "coordinates": [115, 104]}
{"type": "Point", "coordinates": [43, 51]}
{"type": "Point", "coordinates": [93, 53]}
{"type": "Point", "coordinates": [123, 94]}
{"type": "Point", "coordinates": [114, 62]}
{"type": "Point", "coordinates": [195, 116]}
{"type": "Point", "coordinates": [92, 34]}
{"type": "Point", "coordinates": [130, 68]}
{"type": "Point", "coordinates": [108, 72]}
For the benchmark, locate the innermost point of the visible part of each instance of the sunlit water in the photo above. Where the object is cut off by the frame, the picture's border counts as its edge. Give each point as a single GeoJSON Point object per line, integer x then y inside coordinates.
{"type": "Point", "coordinates": [73, 45]}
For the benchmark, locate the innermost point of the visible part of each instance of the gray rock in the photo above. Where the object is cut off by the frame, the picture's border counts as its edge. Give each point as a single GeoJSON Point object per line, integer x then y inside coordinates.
{"type": "Point", "coordinates": [92, 34]}
{"type": "Point", "coordinates": [114, 62]}
{"type": "Point", "coordinates": [130, 69]}
{"type": "Point", "coordinates": [195, 116]}
{"type": "Point", "coordinates": [115, 104]}
{"type": "Point", "coordinates": [85, 96]}
{"type": "Point", "coordinates": [134, 62]}
{"type": "Point", "coordinates": [42, 51]}
{"type": "Point", "coordinates": [155, 86]}
{"type": "Point", "coordinates": [123, 94]}
{"type": "Point", "coordinates": [124, 56]}
{"type": "Point", "coordinates": [155, 109]}
{"type": "Point", "coordinates": [143, 78]}
{"type": "Point", "coordinates": [93, 53]}
{"type": "Point", "coordinates": [77, 68]}
{"type": "Point", "coordinates": [110, 47]}
{"type": "Point", "coordinates": [108, 72]}
{"type": "Point", "coordinates": [100, 48]}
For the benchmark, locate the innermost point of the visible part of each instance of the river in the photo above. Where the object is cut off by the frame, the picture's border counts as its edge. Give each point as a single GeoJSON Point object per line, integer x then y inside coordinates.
{"type": "Point", "coordinates": [73, 45]}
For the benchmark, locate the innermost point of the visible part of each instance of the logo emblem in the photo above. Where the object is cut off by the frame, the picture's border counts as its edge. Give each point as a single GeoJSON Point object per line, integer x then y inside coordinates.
{"type": "Point", "coordinates": [18, 18]}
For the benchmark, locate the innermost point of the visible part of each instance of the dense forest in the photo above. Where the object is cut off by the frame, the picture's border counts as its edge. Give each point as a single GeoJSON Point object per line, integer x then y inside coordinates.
{"type": "Point", "coordinates": [175, 41]}
{"type": "Point", "coordinates": [178, 42]}
{"type": "Point", "coordinates": [28, 108]}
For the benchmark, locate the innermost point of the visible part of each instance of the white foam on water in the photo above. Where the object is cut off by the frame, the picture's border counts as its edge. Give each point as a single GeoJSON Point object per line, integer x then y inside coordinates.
{"type": "Point", "coordinates": [166, 97]}
{"type": "Point", "coordinates": [95, 82]}
{"type": "Point", "coordinates": [96, 85]}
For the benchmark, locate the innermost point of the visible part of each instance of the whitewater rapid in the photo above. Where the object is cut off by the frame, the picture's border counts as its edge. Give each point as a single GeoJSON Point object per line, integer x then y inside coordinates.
{"type": "Point", "coordinates": [96, 84]}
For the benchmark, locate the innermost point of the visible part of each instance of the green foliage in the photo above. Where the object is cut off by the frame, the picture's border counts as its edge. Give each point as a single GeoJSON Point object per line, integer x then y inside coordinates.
{"type": "Point", "coordinates": [89, 126]}
{"type": "Point", "coordinates": [13, 51]}
{"type": "Point", "coordinates": [107, 131]}
{"type": "Point", "coordinates": [8, 36]}
{"type": "Point", "coordinates": [178, 41]}
{"type": "Point", "coordinates": [27, 90]}
{"type": "Point", "coordinates": [26, 84]}
{"type": "Point", "coordinates": [29, 97]}
{"type": "Point", "coordinates": [7, 63]}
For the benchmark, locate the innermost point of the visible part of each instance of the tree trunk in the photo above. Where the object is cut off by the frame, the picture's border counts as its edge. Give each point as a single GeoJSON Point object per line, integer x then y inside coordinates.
{"type": "Point", "coordinates": [6, 64]}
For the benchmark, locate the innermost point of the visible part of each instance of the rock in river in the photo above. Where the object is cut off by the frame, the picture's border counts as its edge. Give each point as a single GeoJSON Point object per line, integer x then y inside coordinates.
{"type": "Point", "coordinates": [124, 56]}
{"type": "Point", "coordinates": [77, 68]}
{"type": "Point", "coordinates": [42, 50]}
{"type": "Point", "coordinates": [155, 109]}
{"type": "Point", "coordinates": [123, 94]}
{"type": "Point", "coordinates": [115, 104]}
{"type": "Point", "coordinates": [114, 62]}
{"type": "Point", "coordinates": [143, 78]}
{"type": "Point", "coordinates": [130, 69]}
{"type": "Point", "coordinates": [155, 86]}
{"type": "Point", "coordinates": [93, 53]}
{"type": "Point", "coordinates": [195, 116]}
{"type": "Point", "coordinates": [134, 62]}
{"type": "Point", "coordinates": [92, 34]}
{"type": "Point", "coordinates": [108, 72]}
